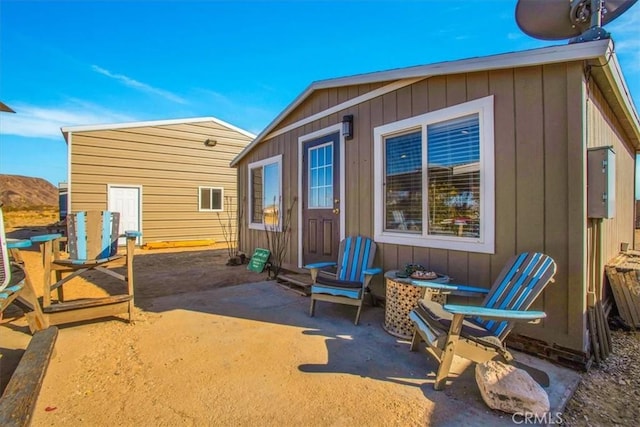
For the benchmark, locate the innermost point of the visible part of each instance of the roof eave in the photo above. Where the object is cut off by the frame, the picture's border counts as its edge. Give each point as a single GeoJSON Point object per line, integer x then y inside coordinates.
{"type": "Point", "coordinates": [546, 55]}
{"type": "Point", "coordinates": [66, 130]}
{"type": "Point", "coordinates": [618, 97]}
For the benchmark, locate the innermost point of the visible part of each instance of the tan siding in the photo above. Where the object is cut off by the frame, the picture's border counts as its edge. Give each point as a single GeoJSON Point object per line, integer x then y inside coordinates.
{"type": "Point", "coordinates": [556, 187]}
{"type": "Point", "coordinates": [576, 228]}
{"type": "Point", "coordinates": [603, 129]}
{"type": "Point", "coordinates": [170, 162]}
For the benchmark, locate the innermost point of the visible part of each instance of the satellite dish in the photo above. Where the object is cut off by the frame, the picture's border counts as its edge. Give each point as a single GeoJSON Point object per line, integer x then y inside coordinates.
{"type": "Point", "coordinates": [580, 20]}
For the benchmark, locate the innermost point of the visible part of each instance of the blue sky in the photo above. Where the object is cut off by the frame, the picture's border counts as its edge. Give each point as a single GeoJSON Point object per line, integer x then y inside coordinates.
{"type": "Point", "coordinates": [93, 62]}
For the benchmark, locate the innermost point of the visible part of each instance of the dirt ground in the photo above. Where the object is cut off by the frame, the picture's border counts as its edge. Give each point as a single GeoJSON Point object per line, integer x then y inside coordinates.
{"type": "Point", "coordinates": [188, 366]}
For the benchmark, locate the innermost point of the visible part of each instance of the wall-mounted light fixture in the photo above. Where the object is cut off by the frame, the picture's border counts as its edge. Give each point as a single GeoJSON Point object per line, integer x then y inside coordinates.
{"type": "Point", "coordinates": [210, 142]}
{"type": "Point", "coordinates": [347, 126]}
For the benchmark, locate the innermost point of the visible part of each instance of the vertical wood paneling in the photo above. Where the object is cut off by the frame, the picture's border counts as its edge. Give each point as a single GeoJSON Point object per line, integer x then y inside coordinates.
{"type": "Point", "coordinates": [529, 159]}
{"type": "Point", "coordinates": [555, 298]}
{"type": "Point", "coordinates": [361, 219]}
{"type": "Point", "coordinates": [502, 86]}
{"type": "Point", "coordinates": [576, 241]}
{"type": "Point", "coordinates": [403, 103]}
{"type": "Point", "coordinates": [405, 256]}
{"type": "Point", "coordinates": [419, 98]}
{"type": "Point", "coordinates": [605, 130]}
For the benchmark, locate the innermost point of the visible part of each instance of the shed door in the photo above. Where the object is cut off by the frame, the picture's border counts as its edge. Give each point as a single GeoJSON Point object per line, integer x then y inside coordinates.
{"type": "Point", "coordinates": [321, 199]}
{"type": "Point", "coordinates": [127, 201]}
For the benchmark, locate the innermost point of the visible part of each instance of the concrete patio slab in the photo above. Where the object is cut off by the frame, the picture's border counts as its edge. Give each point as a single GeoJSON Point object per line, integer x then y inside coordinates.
{"type": "Point", "coordinates": [250, 354]}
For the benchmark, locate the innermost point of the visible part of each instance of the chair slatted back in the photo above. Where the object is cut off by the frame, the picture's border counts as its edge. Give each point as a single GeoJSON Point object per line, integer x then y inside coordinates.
{"type": "Point", "coordinates": [93, 234]}
{"type": "Point", "coordinates": [355, 255]}
{"type": "Point", "coordinates": [5, 268]}
{"type": "Point", "coordinates": [520, 282]}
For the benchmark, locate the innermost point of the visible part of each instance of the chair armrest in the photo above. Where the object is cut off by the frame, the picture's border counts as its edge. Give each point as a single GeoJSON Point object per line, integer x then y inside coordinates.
{"type": "Point", "coordinates": [372, 271]}
{"type": "Point", "coordinates": [446, 288]}
{"type": "Point", "coordinates": [45, 238]}
{"type": "Point", "coordinates": [315, 268]}
{"type": "Point", "coordinates": [319, 265]}
{"type": "Point", "coordinates": [131, 234]}
{"type": "Point", "coordinates": [18, 243]}
{"type": "Point", "coordinates": [494, 313]}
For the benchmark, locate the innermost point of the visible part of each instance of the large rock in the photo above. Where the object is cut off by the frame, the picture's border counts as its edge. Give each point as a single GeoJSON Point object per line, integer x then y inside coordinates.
{"type": "Point", "coordinates": [509, 389]}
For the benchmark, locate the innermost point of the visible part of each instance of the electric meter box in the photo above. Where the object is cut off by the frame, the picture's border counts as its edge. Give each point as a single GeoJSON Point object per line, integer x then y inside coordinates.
{"type": "Point", "coordinates": [601, 182]}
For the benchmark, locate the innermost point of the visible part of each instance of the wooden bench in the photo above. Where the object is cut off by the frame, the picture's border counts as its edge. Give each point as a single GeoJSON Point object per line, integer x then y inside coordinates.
{"type": "Point", "coordinates": [19, 398]}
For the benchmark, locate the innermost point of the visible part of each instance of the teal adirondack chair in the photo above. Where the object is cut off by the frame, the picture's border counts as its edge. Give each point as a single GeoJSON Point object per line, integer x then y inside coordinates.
{"type": "Point", "coordinates": [353, 274]}
{"type": "Point", "coordinates": [92, 245]}
{"type": "Point", "coordinates": [477, 333]}
{"type": "Point", "coordinates": [15, 285]}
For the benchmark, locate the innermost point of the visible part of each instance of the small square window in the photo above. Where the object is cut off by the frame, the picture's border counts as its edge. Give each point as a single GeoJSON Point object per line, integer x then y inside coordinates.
{"type": "Point", "coordinates": [210, 199]}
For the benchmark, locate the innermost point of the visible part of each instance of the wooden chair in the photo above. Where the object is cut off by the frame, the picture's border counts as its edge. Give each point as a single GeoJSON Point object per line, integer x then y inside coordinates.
{"type": "Point", "coordinates": [19, 399]}
{"type": "Point", "coordinates": [92, 245]}
{"type": "Point", "coordinates": [15, 284]}
{"type": "Point", "coordinates": [477, 333]}
{"type": "Point", "coordinates": [352, 277]}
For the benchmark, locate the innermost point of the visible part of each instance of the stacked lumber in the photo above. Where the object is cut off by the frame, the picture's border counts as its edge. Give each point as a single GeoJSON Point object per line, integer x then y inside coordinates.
{"type": "Point", "coordinates": [623, 273]}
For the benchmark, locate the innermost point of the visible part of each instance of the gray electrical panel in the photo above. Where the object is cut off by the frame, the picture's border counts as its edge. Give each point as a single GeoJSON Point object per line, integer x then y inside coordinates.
{"type": "Point", "coordinates": [601, 182]}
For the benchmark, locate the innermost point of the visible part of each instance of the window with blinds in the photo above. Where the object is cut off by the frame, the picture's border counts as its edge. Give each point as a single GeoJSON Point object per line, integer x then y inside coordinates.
{"type": "Point", "coordinates": [437, 184]}
{"type": "Point", "coordinates": [453, 176]}
{"type": "Point", "coordinates": [403, 192]}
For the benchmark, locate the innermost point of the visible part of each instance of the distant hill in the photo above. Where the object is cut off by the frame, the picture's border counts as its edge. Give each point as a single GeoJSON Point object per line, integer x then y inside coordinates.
{"type": "Point", "coordinates": [20, 192]}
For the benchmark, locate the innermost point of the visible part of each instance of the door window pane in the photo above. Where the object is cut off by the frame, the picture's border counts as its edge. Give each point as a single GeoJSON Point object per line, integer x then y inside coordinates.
{"type": "Point", "coordinates": [321, 176]}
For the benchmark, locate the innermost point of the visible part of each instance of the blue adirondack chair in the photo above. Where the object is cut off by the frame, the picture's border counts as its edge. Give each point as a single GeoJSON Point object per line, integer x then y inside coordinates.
{"type": "Point", "coordinates": [353, 273]}
{"type": "Point", "coordinates": [15, 285]}
{"type": "Point", "coordinates": [92, 245]}
{"type": "Point", "coordinates": [477, 333]}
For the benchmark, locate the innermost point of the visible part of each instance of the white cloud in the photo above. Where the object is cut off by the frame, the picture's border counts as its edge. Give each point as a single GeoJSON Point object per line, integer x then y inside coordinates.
{"type": "Point", "coordinates": [45, 122]}
{"type": "Point", "coordinates": [626, 35]}
{"type": "Point", "coordinates": [128, 81]}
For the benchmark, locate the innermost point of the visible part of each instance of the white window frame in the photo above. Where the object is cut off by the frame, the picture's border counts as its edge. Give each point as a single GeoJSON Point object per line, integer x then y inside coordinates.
{"type": "Point", "coordinates": [483, 107]}
{"type": "Point", "coordinates": [202, 187]}
{"type": "Point", "coordinates": [260, 164]}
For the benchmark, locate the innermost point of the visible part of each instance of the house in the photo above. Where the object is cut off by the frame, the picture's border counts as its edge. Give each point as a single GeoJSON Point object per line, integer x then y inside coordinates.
{"type": "Point", "coordinates": [458, 166]}
{"type": "Point", "coordinates": [169, 179]}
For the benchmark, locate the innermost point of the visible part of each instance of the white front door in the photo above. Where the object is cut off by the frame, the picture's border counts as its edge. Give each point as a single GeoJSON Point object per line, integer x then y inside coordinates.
{"type": "Point", "coordinates": [126, 200]}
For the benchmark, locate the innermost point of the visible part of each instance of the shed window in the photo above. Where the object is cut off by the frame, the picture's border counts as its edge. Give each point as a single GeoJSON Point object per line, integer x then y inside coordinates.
{"type": "Point", "coordinates": [210, 198]}
{"type": "Point", "coordinates": [436, 186]}
{"type": "Point", "coordinates": [265, 193]}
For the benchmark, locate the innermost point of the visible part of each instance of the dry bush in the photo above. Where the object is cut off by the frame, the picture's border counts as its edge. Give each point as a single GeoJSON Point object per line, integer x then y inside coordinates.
{"type": "Point", "coordinates": [30, 217]}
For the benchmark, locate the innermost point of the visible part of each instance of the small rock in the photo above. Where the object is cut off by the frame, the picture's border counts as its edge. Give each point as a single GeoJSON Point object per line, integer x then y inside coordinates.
{"type": "Point", "coordinates": [509, 389]}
